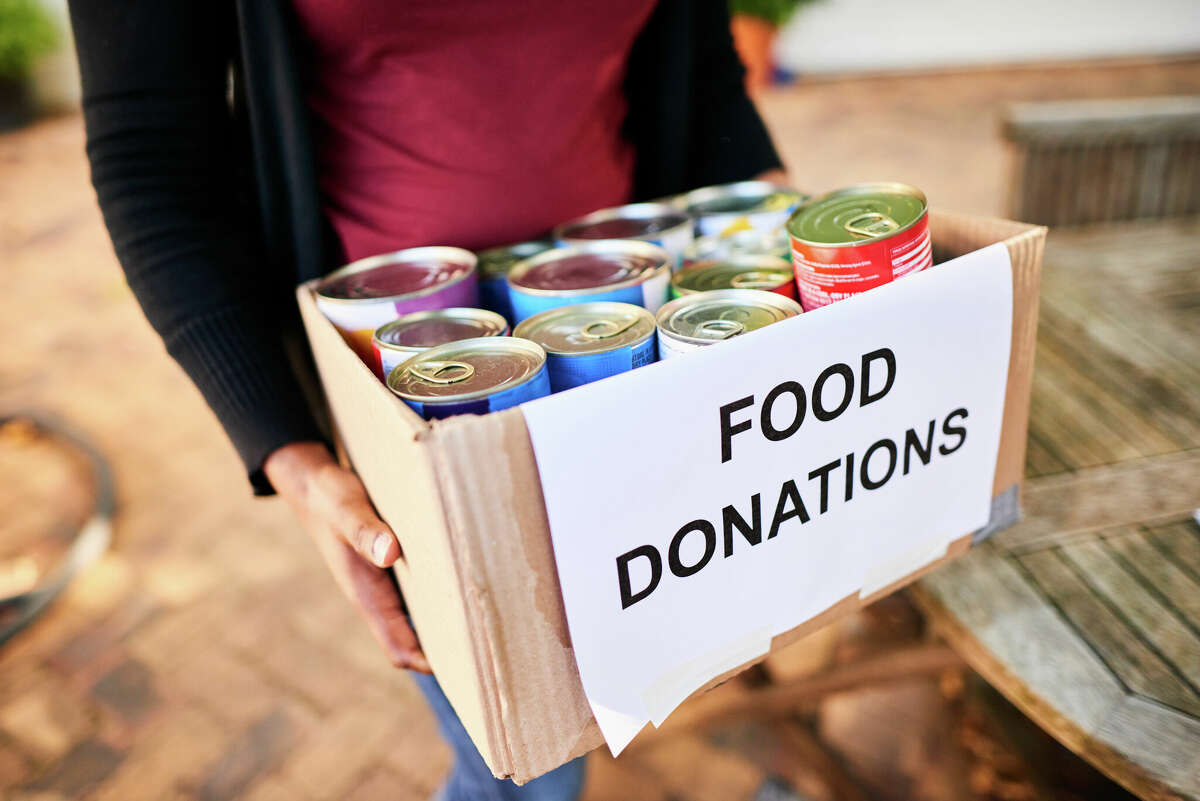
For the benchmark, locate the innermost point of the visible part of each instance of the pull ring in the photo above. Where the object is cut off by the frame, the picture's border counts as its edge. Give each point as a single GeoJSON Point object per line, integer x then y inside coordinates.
{"type": "Point", "coordinates": [871, 223]}
{"type": "Point", "coordinates": [720, 329]}
{"type": "Point", "coordinates": [755, 279]}
{"type": "Point", "coordinates": [603, 329]}
{"type": "Point", "coordinates": [442, 372]}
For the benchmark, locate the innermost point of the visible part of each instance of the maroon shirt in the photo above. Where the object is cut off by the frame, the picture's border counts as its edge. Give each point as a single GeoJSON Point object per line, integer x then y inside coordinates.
{"type": "Point", "coordinates": [466, 122]}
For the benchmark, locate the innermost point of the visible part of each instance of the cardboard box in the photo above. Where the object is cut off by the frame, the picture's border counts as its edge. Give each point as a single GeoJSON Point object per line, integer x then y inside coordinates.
{"type": "Point", "coordinates": [478, 573]}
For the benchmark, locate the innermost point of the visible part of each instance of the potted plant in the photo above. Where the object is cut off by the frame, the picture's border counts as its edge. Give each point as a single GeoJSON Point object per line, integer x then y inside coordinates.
{"type": "Point", "coordinates": [755, 24]}
{"type": "Point", "coordinates": [27, 32]}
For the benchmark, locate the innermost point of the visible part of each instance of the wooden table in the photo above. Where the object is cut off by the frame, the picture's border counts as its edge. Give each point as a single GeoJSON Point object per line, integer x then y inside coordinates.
{"type": "Point", "coordinates": [1087, 614]}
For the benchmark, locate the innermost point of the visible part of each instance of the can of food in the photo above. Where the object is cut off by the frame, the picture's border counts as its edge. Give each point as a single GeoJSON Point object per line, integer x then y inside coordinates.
{"type": "Point", "coordinates": [622, 271]}
{"type": "Point", "coordinates": [857, 238]}
{"type": "Point", "coordinates": [743, 243]}
{"type": "Point", "coordinates": [400, 340]}
{"type": "Point", "coordinates": [658, 223]}
{"type": "Point", "coordinates": [494, 264]}
{"type": "Point", "coordinates": [590, 341]}
{"type": "Point", "coordinates": [737, 272]}
{"type": "Point", "coordinates": [370, 292]}
{"type": "Point", "coordinates": [696, 321]}
{"type": "Point", "coordinates": [471, 376]}
{"type": "Point", "coordinates": [728, 209]}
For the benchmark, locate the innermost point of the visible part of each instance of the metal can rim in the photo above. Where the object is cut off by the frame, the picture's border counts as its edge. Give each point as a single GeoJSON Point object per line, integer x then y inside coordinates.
{"type": "Point", "coordinates": [616, 213]}
{"type": "Point", "coordinates": [510, 343]}
{"type": "Point", "coordinates": [642, 313]}
{"type": "Point", "coordinates": [771, 300]}
{"type": "Point", "coordinates": [870, 187]}
{"type": "Point", "coordinates": [689, 200]}
{"type": "Point", "coordinates": [603, 245]}
{"type": "Point", "coordinates": [460, 312]}
{"type": "Point", "coordinates": [453, 254]}
{"type": "Point", "coordinates": [760, 261]}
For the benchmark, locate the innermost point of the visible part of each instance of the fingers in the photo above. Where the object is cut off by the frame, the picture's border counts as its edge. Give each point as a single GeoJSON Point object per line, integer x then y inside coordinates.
{"type": "Point", "coordinates": [340, 498]}
{"type": "Point", "coordinates": [372, 591]}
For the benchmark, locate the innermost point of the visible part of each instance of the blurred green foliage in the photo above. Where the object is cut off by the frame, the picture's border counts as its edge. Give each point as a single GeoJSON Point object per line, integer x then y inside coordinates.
{"type": "Point", "coordinates": [776, 12]}
{"type": "Point", "coordinates": [26, 32]}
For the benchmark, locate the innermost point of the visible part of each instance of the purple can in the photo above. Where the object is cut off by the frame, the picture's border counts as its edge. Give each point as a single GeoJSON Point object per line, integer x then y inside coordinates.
{"type": "Point", "coordinates": [370, 292]}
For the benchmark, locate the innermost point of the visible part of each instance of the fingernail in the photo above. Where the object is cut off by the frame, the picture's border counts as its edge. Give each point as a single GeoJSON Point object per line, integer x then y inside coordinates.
{"type": "Point", "coordinates": [379, 549]}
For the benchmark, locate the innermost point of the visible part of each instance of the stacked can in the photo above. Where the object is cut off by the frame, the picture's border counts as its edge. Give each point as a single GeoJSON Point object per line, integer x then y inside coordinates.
{"type": "Point", "coordinates": [657, 223]}
{"type": "Point", "coordinates": [368, 293]}
{"type": "Point", "coordinates": [743, 243]}
{"type": "Point", "coordinates": [607, 270]}
{"type": "Point", "coordinates": [471, 376]}
{"type": "Point", "coordinates": [696, 321]}
{"type": "Point", "coordinates": [738, 272]}
{"type": "Point", "coordinates": [729, 209]}
{"type": "Point", "coordinates": [494, 265]}
{"type": "Point", "coordinates": [857, 238]}
{"type": "Point", "coordinates": [402, 339]}
{"type": "Point", "coordinates": [590, 341]}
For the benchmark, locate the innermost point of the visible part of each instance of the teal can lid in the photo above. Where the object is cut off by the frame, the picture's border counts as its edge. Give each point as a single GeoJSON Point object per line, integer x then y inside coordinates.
{"type": "Point", "coordinates": [858, 214]}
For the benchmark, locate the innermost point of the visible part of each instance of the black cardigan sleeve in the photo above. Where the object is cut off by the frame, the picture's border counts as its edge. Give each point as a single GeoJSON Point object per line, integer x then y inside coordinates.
{"type": "Point", "coordinates": [167, 165]}
{"type": "Point", "coordinates": [728, 140]}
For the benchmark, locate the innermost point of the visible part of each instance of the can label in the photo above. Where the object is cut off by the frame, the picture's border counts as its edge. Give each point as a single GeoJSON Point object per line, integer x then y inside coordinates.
{"type": "Point", "coordinates": [573, 370]}
{"type": "Point", "coordinates": [493, 296]}
{"type": "Point", "coordinates": [669, 347]}
{"type": "Point", "coordinates": [536, 387]}
{"type": "Point", "coordinates": [828, 274]}
{"type": "Point", "coordinates": [763, 222]}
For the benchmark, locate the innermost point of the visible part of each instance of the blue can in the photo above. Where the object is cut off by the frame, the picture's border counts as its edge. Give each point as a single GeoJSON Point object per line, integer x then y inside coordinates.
{"type": "Point", "coordinates": [493, 267]}
{"type": "Point", "coordinates": [472, 376]}
{"type": "Point", "coordinates": [590, 341]}
{"type": "Point", "coordinates": [613, 270]}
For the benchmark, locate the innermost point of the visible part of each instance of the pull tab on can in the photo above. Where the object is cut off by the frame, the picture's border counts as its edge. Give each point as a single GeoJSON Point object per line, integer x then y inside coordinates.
{"type": "Point", "coordinates": [442, 372]}
{"type": "Point", "coordinates": [719, 329]}
{"type": "Point", "coordinates": [871, 223]}
{"type": "Point", "coordinates": [603, 329]}
{"type": "Point", "coordinates": [755, 279]}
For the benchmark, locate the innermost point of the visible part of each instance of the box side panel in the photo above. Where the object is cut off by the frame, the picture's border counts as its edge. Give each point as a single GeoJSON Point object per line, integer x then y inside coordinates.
{"type": "Point", "coordinates": [498, 518]}
{"type": "Point", "coordinates": [386, 444]}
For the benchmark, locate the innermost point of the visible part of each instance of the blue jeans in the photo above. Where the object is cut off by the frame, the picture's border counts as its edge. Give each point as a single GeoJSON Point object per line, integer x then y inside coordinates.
{"type": "Point", "coordinates": [470, 779]}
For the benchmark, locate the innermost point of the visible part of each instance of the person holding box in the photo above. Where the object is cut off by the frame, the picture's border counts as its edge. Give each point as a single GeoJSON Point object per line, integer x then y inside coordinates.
{"type": "Point", "coordinates": [241, 147]}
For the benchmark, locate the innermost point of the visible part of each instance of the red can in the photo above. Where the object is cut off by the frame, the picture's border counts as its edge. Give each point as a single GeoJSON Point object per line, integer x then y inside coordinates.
{"type": "Point", "coordinates": [858, 238]}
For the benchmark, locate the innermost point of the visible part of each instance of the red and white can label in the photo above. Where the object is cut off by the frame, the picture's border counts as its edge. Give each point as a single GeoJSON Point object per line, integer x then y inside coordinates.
{"type": "Point", "coordinates": [828, 274]}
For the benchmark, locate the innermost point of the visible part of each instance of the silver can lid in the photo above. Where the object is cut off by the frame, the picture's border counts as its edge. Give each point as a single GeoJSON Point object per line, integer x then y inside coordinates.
{"type": "Point", "coordinates": [589, 267]}
{"type": "Point", "coordinates": [467, 370]}
{"type": "Point", "coordinates": [743, 197]}
{"type": "Point", "coordinates": [427, 329]}
{"type": "Point", "coordinates": [400, 274]}
{"type": "Point", "coordinates": [588, 327]}
{"type": "Point", "coordinates": [707, 317]}
{"type": "Point", "coordinates": [735, 272]}
{"type": "Point", "coordinates": [632, 221]}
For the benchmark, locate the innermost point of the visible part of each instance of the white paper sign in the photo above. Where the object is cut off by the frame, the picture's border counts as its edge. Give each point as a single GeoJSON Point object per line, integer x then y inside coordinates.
{"type": "Point", "coordinates": [700, 506]}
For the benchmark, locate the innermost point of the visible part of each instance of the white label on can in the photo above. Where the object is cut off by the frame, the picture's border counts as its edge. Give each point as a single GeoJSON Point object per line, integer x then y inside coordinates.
{"type": "Point", "coordinates": [655, 291]}
{"type": "Point", "coordinates": [669, 347]}
{"type": "Point", "coordinates": [776, 474]}
{"type": "Point", "coordinates": [353, 316]}
{"type": "Point", "coordinates": [675, 242]}
{"type": "Point", "coordinates": [764, 222]}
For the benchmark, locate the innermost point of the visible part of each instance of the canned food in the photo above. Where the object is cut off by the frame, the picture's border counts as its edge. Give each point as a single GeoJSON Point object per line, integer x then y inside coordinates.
{"type": "Point", "coordinates": [590, 341]}
{"type": "Point", "coordinates": [658, 223]}
{"type": "Point", "coordinates": [739, 272]}
{"type": "Point", "coordinates": [494, 264]}
{"type": "Point", "coordinates": [613, 270]}
{"type": "Point", "coordinates": [370, 292]}
{"type": "Point", "coordinates": [401, 339]}
{"type": "Point", "coordinates": [743, 243]}
{"type": "Point", "coordinates": [471, 376]}
{"type": "Point", "coordinates": [857, 238]}
{"type": "Point", "coordinates": [728, 209]}
{"type": "Point", "coordinates": [696, 321]}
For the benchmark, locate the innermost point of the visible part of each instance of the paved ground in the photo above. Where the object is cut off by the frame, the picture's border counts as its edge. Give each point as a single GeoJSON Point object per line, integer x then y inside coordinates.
{"type": "Point", "coordinates": [208, 656]}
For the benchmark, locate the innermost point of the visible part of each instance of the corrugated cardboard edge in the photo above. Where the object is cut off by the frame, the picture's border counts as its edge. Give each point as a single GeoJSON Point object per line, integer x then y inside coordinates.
{"type": "Point", "coordinates": [538, 709]}
{"type": "Point", "coordinates": [389, 448]}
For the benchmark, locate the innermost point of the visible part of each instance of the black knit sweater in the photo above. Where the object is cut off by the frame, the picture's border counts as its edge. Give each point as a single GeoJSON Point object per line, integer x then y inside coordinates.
{"type": "Point", "coordinates": [198, 138]}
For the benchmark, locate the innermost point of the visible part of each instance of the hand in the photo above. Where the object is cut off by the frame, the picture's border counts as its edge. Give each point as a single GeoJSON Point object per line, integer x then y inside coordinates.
{"type": "Point", "coordinates": [358, 547]}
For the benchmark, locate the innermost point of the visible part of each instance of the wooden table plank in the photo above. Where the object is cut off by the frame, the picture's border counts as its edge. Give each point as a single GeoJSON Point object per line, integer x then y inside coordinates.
{"type": "Point", "coordinates": [1182, 541]}
{"type": "Point", "coordinates": [1159, 741]}
{"type": "Point", "coordinates": [1178, 587]}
